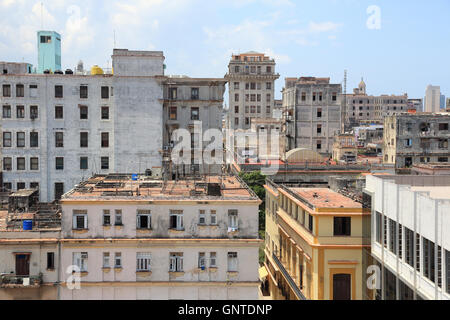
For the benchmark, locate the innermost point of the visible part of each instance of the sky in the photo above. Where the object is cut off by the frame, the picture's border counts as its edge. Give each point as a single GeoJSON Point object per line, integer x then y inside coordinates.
{"type": "Point", "coordinates": [397, 46]}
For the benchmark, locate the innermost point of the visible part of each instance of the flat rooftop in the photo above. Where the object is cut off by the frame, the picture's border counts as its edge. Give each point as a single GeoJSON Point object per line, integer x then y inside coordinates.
{"type": "Point", "coordinates": [325, 198]}
{"type": "Point", "coordinates": [437, 193]}
{"type": "Point", "coordinates": [123, 188]}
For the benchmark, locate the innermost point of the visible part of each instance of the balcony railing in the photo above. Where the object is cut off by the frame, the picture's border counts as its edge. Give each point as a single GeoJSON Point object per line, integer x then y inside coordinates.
{"type": "Point", "coordinates": [289, 279]}
{"type": "Point", "coordinates": [14, 281]}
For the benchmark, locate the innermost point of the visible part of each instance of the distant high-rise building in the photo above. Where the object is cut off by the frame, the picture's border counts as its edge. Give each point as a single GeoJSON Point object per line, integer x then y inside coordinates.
{"type": "Point", "coordinates": [49, 51]}
{"type": "Point", "coordinates": [432, 99]}
{"type": "Point", "coordinates": [442, 103]}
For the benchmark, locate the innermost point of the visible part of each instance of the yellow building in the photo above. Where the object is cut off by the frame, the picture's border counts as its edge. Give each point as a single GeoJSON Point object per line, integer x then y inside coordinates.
{"type": "Point", "coordinates": [315, 244]}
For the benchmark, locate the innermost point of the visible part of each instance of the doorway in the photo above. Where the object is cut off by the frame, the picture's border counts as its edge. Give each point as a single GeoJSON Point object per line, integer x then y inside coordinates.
{"type": "Point", "coordinates": [22, 265]}
{"type": "Point", "coordinates": [342, 287]}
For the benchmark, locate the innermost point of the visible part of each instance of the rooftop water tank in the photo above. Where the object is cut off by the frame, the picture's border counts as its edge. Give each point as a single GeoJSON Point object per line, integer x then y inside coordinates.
{"type": "Point", "coordinates": [96, 70]}
{"type": "Point", "coordinates": [27, 225]}
{"type": "Point", "coordinates": [69, 71]}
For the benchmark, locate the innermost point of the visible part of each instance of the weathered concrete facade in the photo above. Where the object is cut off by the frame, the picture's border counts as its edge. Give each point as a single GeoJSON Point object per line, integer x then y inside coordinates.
{"type": "Point", "coordinates": [421, 138]}
{"type": "Point", "coordinates": [251, 77]}
{"type": "Point", "coordinates": [314, 113]}
{"type": "Point", "coordinates": [60, 129]}
{"type": "Point", "coordinates": [191, 245]}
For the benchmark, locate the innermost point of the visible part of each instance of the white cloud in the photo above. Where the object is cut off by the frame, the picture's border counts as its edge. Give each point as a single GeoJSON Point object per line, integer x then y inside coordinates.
{"type": "Point", "coordinates": [323, 27]}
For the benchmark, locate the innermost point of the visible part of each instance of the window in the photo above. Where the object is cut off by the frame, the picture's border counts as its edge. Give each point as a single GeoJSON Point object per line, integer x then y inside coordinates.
{"type": "Point", "coordinates": [319, 113]}
{"type": "Point", "coordinates": [105, 140]}
{"type": "Point", "coordinates": [34, 185]}
{"type": "Point", "coordinates": [34, 139]}
{"type": "Point", "coordinates": [379, 234]}
{"type": "Point", "coordinates": [80, 259]}
{"type": "Point", "coordinates": [195, 114]}
{"type": "Point", "coordinates": [258, 109]}
{"type": "Point", "coordinates": [20, 139]}
{"type": "Point", "coordinates": [268, 97]}
{"type": "Point", "coordinates": [334, 96]}
{"type": "Point", "coordinates": [311, 223]}
{"type": "Point", "coordinates": [59, 163]}
{"type": "Point", "coordinates": [213, 260]}
{"type": "Point", "coordinates": [447, 269]}
{"type": "Point", "coordinates": [408, 143]}
{"type": "Point", "coordinates": [83, 112]}
{"type": "Point", "coordinates": [442, 159]}
{"type": "Point", "coordinates": [269, 86]}
{"type": "Point", "coordinates": [269, 69]}
{"type": "Point", "coordinates": [21, 164]}
{"type": "Point", "coordinates": [176, 220]}
{"type": "Point", "coordinates": [443, 144]}
{"type": "Point", "coordinates": [393, 236]}
{"type": "Point", "coordinates": [80, 220]}
{"type": "Point", "coordinates": [7, 186]}
{"type": "Point", "coordinates": [59, 190]}
{"type": "Point", "coordinates": [201, 261]}
{"type": "Point", "coordinates": [105, 163]}
{"type": "Point", "coordinates": [303, 96]}
{"type": "Point", "coordinates": [319, 129]}
{"type": "Point", "coordinates": [84, 163]}
{"type": "Point", "coordinates": [319, 145]}
{"type": "Point", "coordinates": [342, 226]}
{"type": "Point", "coordinates": [106, 260]}
{"type": "Point", "coordinates": [176, 262]}
{"type": "Point", "coordinates": [83, 92]}
{"type": "Point", "coordinates": [236, 86]}
{"type": "Point", "coordinates": [409, 247]}
{"type": "Point", "coordinates": [144, 219]}
{"type": "Point", "coordinates": [236, 109]}
{"type": "Point", "coordinates": [50, 260]}
{"type": "Point", "coordinates": [143, 262]}
{"type": "Point", "coordinates": [59, 92]}
{"type": "Point", "coordinates": [105, 113]}
{"type": "Point", "coordinates": [443, 126]}
{"type": "Point", "coordinates": [195, 94]}
{"type": "Point", "coordinates": [202, 217]}
{"type": "Point", "coordinates": [20, 186]}
{"type": "Point", "coordinates": [7, 139]}
{"type": "Point", "coordinates": [428, 259]}
{"type": "Point", "coordinates": [20, 112]}
{"type": "Point", "coordinates": [173, 93]}
{"type": "Point", "coordinates": [6, 112]}
{"type": "Point", "coordinates": [6, 90]}
{"type": "Point", "coordinates": [236, 97]}
{"type": "Point", "coordinates": [233, 220]}
{"type": "Point", "coordinates": [7, 164]}
{"type": "Point", "coordinates": [173, 113]}
{"type": "Point", "coordinates": [20, 91]}
{"type": "Point", "coordinates": [236, 121]}
{"type": "Point", "coordinates": [34, 164]}
{"type": "Point", "coordinates": [232, 262]}
{"type": "Point", "coordinates": [252, 109]}
{"type": "Point", "coordinates": [46, 39]}
{"type": "Point", "coordinates": [213, 217]}
{"type": "Point", "coordinates": [34, 112]}
{"type": "Point", "coordinates": [59, 139]}
{"type": "Point", "coordinates": [106, 218]}
{"type": "Point", "coordinates": [236, 69]}
{"type": "Point", "coordinates": [118, 260]}
{"type": "Point", "coordinates": [33, 91]}
{"type": "Point", "coordinates": [84, 140]}
{"type": "Point", "coordinates": [118, 218]}
{"type": "Point", "coordinates": [417, 252]}
{"type": "Point", "coordinates": [59, 112]}
{"type": "Point", "coordinates": [105, 92]}
{"type": "Point", "coordinates": [268, 110]}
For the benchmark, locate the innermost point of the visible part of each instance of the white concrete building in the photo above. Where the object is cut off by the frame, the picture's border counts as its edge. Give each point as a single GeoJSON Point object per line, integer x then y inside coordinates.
{"type": "Point", "coordinates": [157, 240]}
{"type": "Point", "coordinates": [432, 99]}
{"type": "Point", "coordinates": [410, 239]}
{"type": "Point", "coordinates": [60, 129]}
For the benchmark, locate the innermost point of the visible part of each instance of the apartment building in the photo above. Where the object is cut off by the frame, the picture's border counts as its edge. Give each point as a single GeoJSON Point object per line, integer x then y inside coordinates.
{"type": "Point", "coordinates": [313, 107]}
{"type": "Point", "coordinates": [251, 77]}
{"type": "Point", "coordinates": [410, 241]}
{"type": "Point", "coordinates": [432, 99]}
{"type": "Point", "coordinates": [367, 109]}
{"type": "Point", "coordinates": [59, 129]}
{"type": "Point", "coordinates": [141, 238]}
{"type": "Point", "coordinates": [196, 105]}
{"type": "Point", "coordinates": [416, 138]}
{"type": "Point", "coordinates": [316, 244]}
{"type": "Point", "coordinates": [29, 248]}
{"type": "Point", "coordinates": [345, 149]}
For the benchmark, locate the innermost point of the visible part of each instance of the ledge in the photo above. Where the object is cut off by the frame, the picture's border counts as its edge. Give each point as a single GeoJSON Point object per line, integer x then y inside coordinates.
{"type": "Point", "coordinates": [84, 274]}
{"type": "Point", "coordinates": [118, 269]}
{"type": "Point", "coordinates": [106, 270]}
{"type": "Point", "coordinates": [144, 230]}
{"type": "Point", "coordinates": [80, 231]}
{"type": "Point", "coordinates": [177, 231]}
{"type": "Point", "coordinates": [143, 273]}
{"type": "Point", "coordinates": [119, 227]}
{"type": "Point", "coordinates": [232, 273]}
{"type": "Point", "coordinates": [177, 274]}
{"type": "Point", "coordinates": [106, 227]}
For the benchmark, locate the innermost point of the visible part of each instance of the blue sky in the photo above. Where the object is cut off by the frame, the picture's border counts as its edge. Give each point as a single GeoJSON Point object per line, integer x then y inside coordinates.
{"type": "Point", "coordinates": [307, 38]}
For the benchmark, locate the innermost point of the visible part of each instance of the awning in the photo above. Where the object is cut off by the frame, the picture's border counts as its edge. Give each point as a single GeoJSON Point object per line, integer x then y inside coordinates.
{"type": "Point", "coordinates": [263, 273]}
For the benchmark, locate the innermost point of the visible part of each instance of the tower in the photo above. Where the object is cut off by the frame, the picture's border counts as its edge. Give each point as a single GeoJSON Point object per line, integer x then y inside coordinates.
{"type": "Point", "coordinates": [49, 51]}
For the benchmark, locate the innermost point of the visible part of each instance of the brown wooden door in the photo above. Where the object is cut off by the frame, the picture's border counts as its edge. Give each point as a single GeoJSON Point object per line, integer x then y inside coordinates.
{"type": "Point", "coordinates": [342, 287]}
{"type": "Point", "coordinates": [22, 265]}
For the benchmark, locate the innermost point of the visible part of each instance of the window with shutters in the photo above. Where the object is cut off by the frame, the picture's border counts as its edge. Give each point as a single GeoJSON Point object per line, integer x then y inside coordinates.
{"type": "Point", "coordinates": [7, 164]}
{"type": "Point", "coordinates": [232, 262]}
{"type": "Point", "coordinates": [176, 220]}
{"type": "Point", "coordinates": [59, 140]}
{"type": "Point", "coordinates": [144, 219]}
{"type": "Point", "coordinates": [34, 140]}
{"type": "Point", "coordinates": [213, 260]}
{"type": "Point", "coordinates": [202, 217]}
{"type": "Point", "coordinates": [80, 220]}
{"type": "Point", "coordinates": [59, 92]}
{"type": "Point", "coordinates": [80, 259]}
{"type": "Point", "coordinates": [20, 91]}
{"type": "Point", "coordinates": [233, 222]}
{"type": "Point", "coordinates": [105, 92]}
{"type": "Point", "coordinates": [7, 139]}
{"type": "Point", "coordinates": [202, 260]}
{"type": "Point", "coordinates": [176, 262]}
{"type": "Point", "coordinates": [59, 112]}
{"type": "Point", "coordinates": [106, 218]}
{"type": "Point", "coordinates": [213, 217]}
{"type": "Point", "coordinates": [21, 164]}
{"type": "Point", "coordinates": [143, 260]}
{"type": "Point", "coordinates": [20, 139]}
{"type": "Point", "coordinates": [118, 218]}
{"type": "Point", "coordinates": [106, 264]}
{"type": "Point", "coordinates": [118, 260]}
{"type": "Point", "coordinates": [6, 112]}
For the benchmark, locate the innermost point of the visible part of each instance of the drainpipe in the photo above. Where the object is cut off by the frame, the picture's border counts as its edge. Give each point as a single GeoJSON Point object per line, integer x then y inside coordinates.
{"type": "Point", "coordinates": [59, 269]}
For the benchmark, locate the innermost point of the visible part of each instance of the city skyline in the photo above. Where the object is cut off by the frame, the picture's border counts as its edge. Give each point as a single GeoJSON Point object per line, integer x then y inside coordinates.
{"type": "Point", "coordinates": [303, 40]}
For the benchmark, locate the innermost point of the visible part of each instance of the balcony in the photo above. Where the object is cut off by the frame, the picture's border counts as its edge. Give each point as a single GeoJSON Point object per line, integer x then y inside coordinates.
{"type": "Point", "coordinates": [13, 281]}
{"type": "Point", "coordinates": [288, 278]}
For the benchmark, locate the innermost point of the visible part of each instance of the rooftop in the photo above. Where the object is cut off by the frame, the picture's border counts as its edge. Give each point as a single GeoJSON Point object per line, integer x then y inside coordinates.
{"type": "Point", "coordinates": [325, 198]}
{"type": "Point", "coordinates": [121, 187]}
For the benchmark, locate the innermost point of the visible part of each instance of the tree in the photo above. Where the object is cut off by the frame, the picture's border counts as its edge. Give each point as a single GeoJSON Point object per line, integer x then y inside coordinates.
{"type": "Point", "coordinates": [256, 181]}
